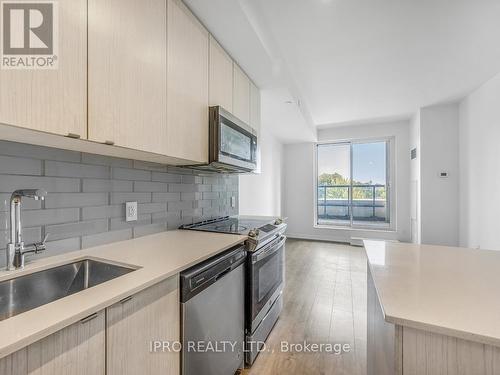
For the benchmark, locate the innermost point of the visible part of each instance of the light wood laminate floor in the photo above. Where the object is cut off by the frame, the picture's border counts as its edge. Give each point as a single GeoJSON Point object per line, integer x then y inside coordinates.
{"type": "Point", "coordinates": [324, 302]}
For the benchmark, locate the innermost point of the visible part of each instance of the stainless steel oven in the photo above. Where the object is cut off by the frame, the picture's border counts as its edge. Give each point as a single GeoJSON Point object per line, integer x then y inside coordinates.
{"type": "Point", "coordinates": [265, 281]}
{"type": "Point", "coordinates": [232, 144]}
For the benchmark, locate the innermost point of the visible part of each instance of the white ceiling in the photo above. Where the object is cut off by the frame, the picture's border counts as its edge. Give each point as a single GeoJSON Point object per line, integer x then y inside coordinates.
{"type": "Point", "coordinates": [343, 61]}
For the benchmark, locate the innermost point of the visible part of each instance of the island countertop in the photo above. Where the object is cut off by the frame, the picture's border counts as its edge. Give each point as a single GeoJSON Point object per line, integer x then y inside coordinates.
{"type": "Point", "coordinates": [157, 258]}
{"type": "Point", "coordinates": [447, 290]}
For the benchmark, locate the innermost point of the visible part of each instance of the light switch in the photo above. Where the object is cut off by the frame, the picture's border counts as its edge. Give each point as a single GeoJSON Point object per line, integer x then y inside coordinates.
{"type": "Point", "coordinates": [233, 202]}
{"type": "Point", "coordinates": [131, 211]}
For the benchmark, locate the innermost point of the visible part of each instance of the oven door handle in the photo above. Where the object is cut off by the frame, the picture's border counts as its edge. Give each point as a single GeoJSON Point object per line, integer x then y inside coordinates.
{"type": "Point", "coordinates": [272, 249]}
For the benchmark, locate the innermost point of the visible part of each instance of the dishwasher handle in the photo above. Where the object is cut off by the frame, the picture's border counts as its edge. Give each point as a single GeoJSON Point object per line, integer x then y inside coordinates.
{"type": "Point", "coordinates": [223, 273]}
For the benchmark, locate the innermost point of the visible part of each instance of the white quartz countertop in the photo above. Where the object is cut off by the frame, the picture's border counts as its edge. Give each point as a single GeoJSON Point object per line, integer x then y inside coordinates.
{"type": "Point", "coordinates": [159, 256]}
{"type": "Point", "coordinates": [448, 290]}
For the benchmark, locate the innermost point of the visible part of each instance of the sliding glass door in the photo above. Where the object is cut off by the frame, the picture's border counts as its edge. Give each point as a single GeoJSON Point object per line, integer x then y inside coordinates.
{"type": "Point", "coordinates": [353, 184]}
{"type": "Point", "coordinates": [334, 183]}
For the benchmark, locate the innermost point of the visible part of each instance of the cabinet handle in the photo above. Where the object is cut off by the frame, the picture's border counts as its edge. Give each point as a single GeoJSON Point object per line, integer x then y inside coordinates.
{"type": "Point", "coordinates": [73, 135]}
{"type": "Point", "coordinates": [126, 299]}
{"type": "Point", "coordinates": [89, 318]}
{"type": "Point", "coordinates": [110, 143]}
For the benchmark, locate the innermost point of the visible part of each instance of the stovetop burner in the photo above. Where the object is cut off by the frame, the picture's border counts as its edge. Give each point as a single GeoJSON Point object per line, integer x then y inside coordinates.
{"type": "Point", "coordinates": [231, 227]}
{"type": "Point", "coordinates": [258, 229]}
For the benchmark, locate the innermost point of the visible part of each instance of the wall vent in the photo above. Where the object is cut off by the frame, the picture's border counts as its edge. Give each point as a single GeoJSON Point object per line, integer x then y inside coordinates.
{"type": "Point", "coordinates": [414, 153]}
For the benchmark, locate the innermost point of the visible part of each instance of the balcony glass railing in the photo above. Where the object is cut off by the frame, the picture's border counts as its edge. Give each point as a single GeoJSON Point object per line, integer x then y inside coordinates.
{"type": "Point", "coordinates": [365, 203]}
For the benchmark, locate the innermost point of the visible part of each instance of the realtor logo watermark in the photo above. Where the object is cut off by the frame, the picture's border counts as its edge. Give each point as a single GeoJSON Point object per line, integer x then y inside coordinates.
{"type": "Point", "coordinates": [29, 34]}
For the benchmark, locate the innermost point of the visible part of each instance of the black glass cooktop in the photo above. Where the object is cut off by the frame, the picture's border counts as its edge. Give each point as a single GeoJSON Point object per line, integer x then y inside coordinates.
{"type": "Point", "coordinates": [234, 225]}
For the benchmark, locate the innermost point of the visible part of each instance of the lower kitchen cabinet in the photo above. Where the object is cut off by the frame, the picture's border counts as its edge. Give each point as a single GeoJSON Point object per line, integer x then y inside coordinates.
{"type": "Point", "coordinates": [78, 349]}
{"type": "Point", "coordinates": [113, 341]}
{"type": "Point", "coordinates": [133, 323]}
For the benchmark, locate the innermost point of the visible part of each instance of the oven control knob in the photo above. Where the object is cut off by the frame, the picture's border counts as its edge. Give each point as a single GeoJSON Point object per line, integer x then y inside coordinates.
{"type": "Point", "coordinates": [254, 233]}
{"type": "Point", "coordinates": [278, 221]}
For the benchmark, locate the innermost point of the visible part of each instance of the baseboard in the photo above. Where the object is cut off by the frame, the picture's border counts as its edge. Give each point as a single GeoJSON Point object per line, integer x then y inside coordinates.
{"type": "Point", "coordinates": [317, 238]}
{"type": "Point", "coordinates": [353, 241]}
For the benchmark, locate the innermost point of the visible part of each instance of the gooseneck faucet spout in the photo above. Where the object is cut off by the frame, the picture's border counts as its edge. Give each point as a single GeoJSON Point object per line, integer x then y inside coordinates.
{"type": "Point", "coordinates": [16, 250]}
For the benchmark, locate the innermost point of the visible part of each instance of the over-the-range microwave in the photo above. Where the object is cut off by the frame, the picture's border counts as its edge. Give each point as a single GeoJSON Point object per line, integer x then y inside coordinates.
{"type": "Point", "coordinates": [232, 144]}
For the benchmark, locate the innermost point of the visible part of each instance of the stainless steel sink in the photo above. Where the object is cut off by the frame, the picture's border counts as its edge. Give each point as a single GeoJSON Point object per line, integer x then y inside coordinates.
{"type": "Point", "coordinates": [27, 292]}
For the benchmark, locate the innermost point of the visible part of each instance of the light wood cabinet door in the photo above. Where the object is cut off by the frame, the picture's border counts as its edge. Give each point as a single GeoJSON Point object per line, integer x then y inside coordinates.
{"type": "Point", "coordinates": [78, 350]}
{"type": "Point", "coordinates": [54, 100]}
{"type": "Point", "coordinates": [187, 85]}
{"type": "Point", "coordinates": [255, 111]}
{"type": "Point", "coordinates": [127, 73]}
{"type": "Point", "coordinates": [241, 94]}
{"type": "Point", "coordinates": [221, 77]}
{"type": "Point", "coordinates": [132, 325]}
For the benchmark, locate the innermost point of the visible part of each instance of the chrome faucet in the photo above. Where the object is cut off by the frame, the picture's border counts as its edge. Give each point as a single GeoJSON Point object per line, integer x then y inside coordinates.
{"type": "Point", "coordinates": [16, 251]}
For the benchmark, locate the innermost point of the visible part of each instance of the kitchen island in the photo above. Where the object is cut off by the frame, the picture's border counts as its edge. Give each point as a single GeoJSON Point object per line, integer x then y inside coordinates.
{"type": "Point", "coordinates": [432, 309]}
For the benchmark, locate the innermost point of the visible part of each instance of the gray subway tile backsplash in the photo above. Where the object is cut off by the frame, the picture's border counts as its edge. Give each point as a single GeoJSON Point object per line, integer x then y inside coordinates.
{"type": "Point", "coordinates": [166, 197]}
{"type": "Point", "coordinates": [38, 152]}
{"type": "Point", "coordinates": [166, 177]}
{"type": "Point", "coordinates": [102, 212]}
{"type": "Point", "coordinates": [179, 206]}
{"type": "Point", "coordinates": [182, 188]}
{"type": "Point", "coordinates": [32, 218]}
{"type": "Point", "coordinates": [9, 183]}
{"type": "Point", "coordinates": [191, 196]}
{"type": "Point", "coordinates": [106, 237]}
{"type": "Point", "coordinates": [106, 160]}
{"type": "Point", "coordinates": [100, 185]}
{"type": "Point", "coordinates": [86, 196]}
{"type": "Point", "coordinates": [118, 198]}
{"type": "Point", "coordinates": [131, 174]}
{"type": "Point", "coordinates": [68, 230]}
{"type": "Point", "coordinates": [62, 246]}
{"type": "Point", "coordinates": [30, 235]}
{"type": "Point", "coordinates": [210, 195]}
{"type": "Point", "coordinates": [63, 169]}
{"type": "Point", "coordinates": [144, 230]}
{"type": "Point", "coordinates": [149, 208]}
{"type": "Point", "coordinates": [58, 200]}
{"type": "Point", "coordinates": [16, 165]}
{"type": "Point", "coordinates": [149, 186]}
{"type": "Point", "coordinates": [117, 223]}
{"type": "Point", "coordinates": [29, 204]}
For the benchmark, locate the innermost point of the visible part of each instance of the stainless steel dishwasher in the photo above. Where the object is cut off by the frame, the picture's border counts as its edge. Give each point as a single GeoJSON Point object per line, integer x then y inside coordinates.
{"type": "Point", "coordinates": [213, 315]}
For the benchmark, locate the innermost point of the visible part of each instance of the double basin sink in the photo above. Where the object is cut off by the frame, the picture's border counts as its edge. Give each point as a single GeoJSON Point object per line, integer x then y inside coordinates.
{"type": "Point", "coordinates": [27, 292]}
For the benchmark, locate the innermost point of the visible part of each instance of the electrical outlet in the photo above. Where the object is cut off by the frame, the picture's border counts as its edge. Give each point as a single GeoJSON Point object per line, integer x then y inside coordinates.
{"type": "Point", "coordinates": [233, 202]}
{"type": "Point", "coordinates": [131, 211]}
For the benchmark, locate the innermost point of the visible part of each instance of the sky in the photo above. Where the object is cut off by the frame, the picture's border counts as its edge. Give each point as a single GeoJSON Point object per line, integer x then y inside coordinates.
{"type": "Point", "coordinates": [369, 161]}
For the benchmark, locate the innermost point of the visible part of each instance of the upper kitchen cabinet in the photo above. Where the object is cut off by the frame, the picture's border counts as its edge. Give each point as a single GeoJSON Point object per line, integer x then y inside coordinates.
{"type": "Point", "coordinates": [51, 100]}
{"type": "Point", "coordinates": [241, 94]}
{"type": "Point", "coordinates": [221, 77]}
{"type": "Point", "coordinates": [127, 75]}
{"type": "Point", "coordinates": [187, 84]}
{"type": "Point", "coordinates": [255, 112]}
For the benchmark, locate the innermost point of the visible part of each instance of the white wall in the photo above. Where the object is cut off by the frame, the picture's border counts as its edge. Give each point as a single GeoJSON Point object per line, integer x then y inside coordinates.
{"type": "Point", "coordinates": [415, 214]}
{"type": "Point", "coordinates": [479, 137]}
{"type": "Point", "coordinates": [260, 194]}
{"type": "Point", "coordinates": [439, 153]}
{"type": "Point", "coordinates": [299, 183]}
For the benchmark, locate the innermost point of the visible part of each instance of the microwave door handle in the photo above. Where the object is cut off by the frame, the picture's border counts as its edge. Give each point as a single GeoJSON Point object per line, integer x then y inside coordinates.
{"type": "Point", "coordinates": [271, 250]}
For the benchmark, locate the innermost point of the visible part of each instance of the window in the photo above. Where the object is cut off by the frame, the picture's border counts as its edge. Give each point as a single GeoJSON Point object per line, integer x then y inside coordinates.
{"type": "Point", "coordinates": [353, 184]}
